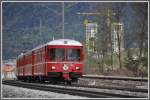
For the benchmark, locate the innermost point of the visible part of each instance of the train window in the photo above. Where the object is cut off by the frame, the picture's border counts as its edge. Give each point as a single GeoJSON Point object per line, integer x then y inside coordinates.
{"type": "Point", "coordinates": [57, 54]}
{"type": "Point", "coordinates": [38, 57]}
{"type": "Point", "coordinates": [73, 54]}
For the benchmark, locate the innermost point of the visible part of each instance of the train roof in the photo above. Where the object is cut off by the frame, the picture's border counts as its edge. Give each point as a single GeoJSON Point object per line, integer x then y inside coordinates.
{"type": "Point", "coordinates": [66, 42]}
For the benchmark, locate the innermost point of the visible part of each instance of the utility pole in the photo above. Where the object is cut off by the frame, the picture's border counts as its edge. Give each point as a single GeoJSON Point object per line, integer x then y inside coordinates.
{"type": "Point", "coordinates": [63, 20]}
{"type": "Point", "coordinates": [109, 15]}
{"type": "Point", "coordinates": [40, 32]}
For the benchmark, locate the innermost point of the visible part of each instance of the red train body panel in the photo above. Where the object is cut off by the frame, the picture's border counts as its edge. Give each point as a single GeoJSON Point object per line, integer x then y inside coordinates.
{"type": "Point", "coordinates": [58, 59]}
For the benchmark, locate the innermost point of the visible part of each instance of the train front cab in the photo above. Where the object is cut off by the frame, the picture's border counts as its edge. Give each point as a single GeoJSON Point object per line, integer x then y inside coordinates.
{"type": "Point", "coordinates": [65, 62]}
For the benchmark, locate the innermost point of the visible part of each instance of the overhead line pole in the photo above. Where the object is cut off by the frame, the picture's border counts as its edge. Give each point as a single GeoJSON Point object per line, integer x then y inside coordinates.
{"type": "Point", "coordinates": [63, 20]}
{"type": "Point", "coordinates": [41, 31]}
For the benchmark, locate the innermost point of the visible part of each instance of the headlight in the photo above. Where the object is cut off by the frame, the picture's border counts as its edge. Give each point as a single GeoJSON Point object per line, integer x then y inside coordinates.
{"type": "Point", "coordinates": [77, 68]}
{"type": "Point", "coordinates": [53, 67]}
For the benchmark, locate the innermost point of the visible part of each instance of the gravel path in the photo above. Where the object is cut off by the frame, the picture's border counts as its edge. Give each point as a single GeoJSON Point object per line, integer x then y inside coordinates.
{"type": "Point", "coordinates": [18, 92]}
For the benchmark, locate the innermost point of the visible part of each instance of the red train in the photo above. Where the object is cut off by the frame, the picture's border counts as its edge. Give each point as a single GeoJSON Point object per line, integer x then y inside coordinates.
{"type": "Point", "coordinates": [57, 60]}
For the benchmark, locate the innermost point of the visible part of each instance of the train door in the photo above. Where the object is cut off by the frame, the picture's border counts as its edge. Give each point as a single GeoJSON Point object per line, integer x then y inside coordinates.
{"type": "Point", "coordinates": [33, 62]}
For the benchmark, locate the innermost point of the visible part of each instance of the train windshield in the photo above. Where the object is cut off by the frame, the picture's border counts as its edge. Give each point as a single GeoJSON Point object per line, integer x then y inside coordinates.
{"type": "Point", "coordinates": [57, 54]}
{"type": "Point", "coordinates": [73, 54]}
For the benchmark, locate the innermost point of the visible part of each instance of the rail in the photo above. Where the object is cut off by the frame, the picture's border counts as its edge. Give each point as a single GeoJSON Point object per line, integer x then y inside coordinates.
{"type": "Point", "coordinates": [144, 79]}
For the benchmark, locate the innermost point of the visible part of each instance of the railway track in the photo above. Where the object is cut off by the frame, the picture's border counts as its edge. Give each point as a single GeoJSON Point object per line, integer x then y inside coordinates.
{"type": "Point", "coordinates": [72, 91]}
{"type": "Point", "coordinates": [113, 88]}
{"type": "Point", "coordinates": [144, 79]}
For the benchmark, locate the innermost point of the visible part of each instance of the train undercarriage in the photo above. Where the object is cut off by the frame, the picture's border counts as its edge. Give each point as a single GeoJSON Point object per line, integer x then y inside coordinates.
{"type": "Point", "coordinates": [53, 77]}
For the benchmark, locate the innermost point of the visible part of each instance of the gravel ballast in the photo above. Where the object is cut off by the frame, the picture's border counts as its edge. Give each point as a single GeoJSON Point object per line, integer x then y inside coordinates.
{"type": "Point", "coordinates": [18, 92]}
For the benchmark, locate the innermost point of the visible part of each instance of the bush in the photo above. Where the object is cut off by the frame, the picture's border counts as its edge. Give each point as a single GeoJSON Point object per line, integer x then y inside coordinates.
{"type": "Point", "coordinates": [131, 64]}
{"type": "Point", "coordinates": [138, 66]}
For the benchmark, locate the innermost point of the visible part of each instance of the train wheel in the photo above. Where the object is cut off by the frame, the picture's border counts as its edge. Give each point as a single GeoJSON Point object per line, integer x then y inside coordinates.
{"type": "Point", "coordinates": [54, 82]}
{"type": "Point", "coordinates": [75, 80]}
{"type": "Point", "coordinates": [24, 79]}
{"type": "Point", "coordinates": [29, 79]}
{"type": "Point", "coordinates": [18, 78]}
{"type": "Point", "coordinates": [41, 79]}
{"type": "Point", "coordinates": [32, 78]}
{"type": "Point", "coordinates": [68, 82]}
